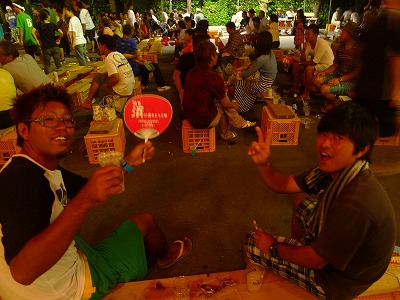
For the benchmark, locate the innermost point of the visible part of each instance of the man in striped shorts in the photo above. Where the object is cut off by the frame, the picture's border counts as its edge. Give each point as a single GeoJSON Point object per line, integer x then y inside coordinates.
{"type": "Point", "coordinates": [341, 77]}
{"type": "Point", "coordinates": [343, 226]}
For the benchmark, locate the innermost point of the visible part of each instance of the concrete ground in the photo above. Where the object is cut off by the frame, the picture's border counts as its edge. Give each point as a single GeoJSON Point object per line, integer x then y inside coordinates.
{"type": "Point", "coordinates": [213, 197]}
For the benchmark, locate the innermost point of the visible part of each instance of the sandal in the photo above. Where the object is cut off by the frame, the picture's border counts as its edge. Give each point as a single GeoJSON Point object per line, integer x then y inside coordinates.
{"type": "Point", "coordinates": [291, 91]}
{"type": "Point", "coordinates": [234, 135]}
{"type": "Point", "coordinates": [302, 98]}
{"type": "Point", "coordinates": [249, 124]}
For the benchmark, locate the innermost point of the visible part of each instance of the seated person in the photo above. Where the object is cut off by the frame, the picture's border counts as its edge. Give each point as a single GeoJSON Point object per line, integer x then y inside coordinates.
{"type": "Point", "coordinates": [171, 25]}
{"type": "Point", "coordinates": [128, 47]}
{"type": "Point", "coordinates": [119, 79]}
{"type": "Point", "coordinates": [178, 42]}
{"type": "Point", "coordinates": [343, 227]}
{"type": "Point", "coordinates": [341, 77]}
{"type": "Point", "coordinates": [8, 93]}
{"type": "Point", "coordinates": [43, 256]}
{"type": "Point", "coordinates": [246, 92]}
{"type": "Point", "coordinates": [245, 21]}
{"type": "Point", "coordinates": [185, 63]}
{"type": "Point", "coordinates": [321, 56]}
{"type": "Point", "coordinates": [202, 88]}
{"type": "Point", "coordinates": [273, 28]}
{"type": "Point", "coordinates": [24, 69]}
{"type": "Point", "coordinates": [234, 48]}
{"type": "Point", "coordinates": [337, 15]}
{"type": "Point", "coordinates": [188, 41]}
{"type": "Point", "coordinates": [105, 27]}
{"type": "Point", "coordinates": [251, 37]}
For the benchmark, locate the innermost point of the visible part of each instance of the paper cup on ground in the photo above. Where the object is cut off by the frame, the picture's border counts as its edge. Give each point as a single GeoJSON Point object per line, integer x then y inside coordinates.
{"type": "Point", "coordinates": [254, 276]}
{"type": "Point", "coordinates": [181, 287]}
{"type": "Point", "coordinates": [112, 157]}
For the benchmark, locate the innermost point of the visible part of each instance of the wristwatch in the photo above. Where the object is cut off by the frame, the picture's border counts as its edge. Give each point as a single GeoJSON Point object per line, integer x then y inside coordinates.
{"type": "Point", "coordinates": [340, 79]}
{"type": "Point", "coordinates": [273, 249]}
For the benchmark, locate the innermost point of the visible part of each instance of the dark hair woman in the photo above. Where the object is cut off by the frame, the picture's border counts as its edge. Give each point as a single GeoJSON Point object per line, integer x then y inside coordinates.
{"type": "Point", "coordinates": [259, 76]}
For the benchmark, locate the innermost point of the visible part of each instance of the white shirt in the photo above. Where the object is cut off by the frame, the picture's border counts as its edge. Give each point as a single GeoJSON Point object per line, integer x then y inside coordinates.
{"type": "Point", "coordinates": [322, 54]}
{"type": "Point", "coordinates": [116, 63]}
{"type": "Point", "coordinates": [355, 17]}
{"type": "Point", "coordinates": [65, 280]}
{"type": "Point", "coordinates": [86, 19]}
{"type": "Point", "coordinates": [290, 14]}
{"type": "Point", "coordinates": [76, 26]}
{"type": "Point", "coordinates": [131, 17]}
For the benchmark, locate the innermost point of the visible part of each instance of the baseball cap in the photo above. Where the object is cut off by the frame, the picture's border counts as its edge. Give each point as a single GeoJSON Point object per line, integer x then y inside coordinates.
{"type": "Point", "coordinates": [8, 7]}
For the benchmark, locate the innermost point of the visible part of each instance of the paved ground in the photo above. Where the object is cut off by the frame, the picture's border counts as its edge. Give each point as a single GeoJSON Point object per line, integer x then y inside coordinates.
{"type": "Point", "coordinates": [212, 198]}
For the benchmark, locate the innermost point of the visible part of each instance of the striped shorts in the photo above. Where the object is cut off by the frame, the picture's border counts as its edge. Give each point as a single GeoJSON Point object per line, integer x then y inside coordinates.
{"type": "Point", "coordinates": [301, 276]}
{"type": "Point", "coordinates": [246, 92]}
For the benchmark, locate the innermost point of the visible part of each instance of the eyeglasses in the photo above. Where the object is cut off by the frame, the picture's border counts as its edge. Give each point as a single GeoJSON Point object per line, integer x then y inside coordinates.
{"type": "Point", "coordinates": [53, 121]}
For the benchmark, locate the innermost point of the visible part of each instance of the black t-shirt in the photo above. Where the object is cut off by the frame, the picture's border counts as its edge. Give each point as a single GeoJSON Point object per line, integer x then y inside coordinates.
{"type": "Point", "coordinates": [47, 34]}
{"type": "Point", "coordinates": [381, 41]}
{"type": "Point", "coordinates": [26, 201]}
{"type": "Point", "coordinates": [185, 63]}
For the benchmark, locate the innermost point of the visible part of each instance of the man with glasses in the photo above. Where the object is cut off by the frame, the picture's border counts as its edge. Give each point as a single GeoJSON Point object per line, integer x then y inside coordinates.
{"type": "Point", "coordinates": [43, 206]}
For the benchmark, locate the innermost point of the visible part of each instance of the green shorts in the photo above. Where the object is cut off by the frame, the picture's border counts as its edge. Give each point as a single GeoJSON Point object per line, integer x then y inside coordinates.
{"type": "Point", "coordinates": [119, 258]}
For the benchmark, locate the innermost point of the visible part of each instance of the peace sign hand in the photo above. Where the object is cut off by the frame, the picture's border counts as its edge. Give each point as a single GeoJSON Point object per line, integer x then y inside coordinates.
{"type": "Point", "coordinates": [260, 151]}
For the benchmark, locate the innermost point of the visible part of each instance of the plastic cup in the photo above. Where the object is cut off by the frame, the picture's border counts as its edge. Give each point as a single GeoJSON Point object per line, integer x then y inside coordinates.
{"type": "Point", "coordinates": [193, 151]}
{"type": "Point", "coordinates": [181, 287]}
{"type": "Point", "coordinates": [112, 157]}
{"type": "Point", "coordinates": [307, 123]}
{"type": "Point", "coordinates": [276, 98]}
{"type": "Point", "coordinates": [307, 111]}
{"type": "Point", "coordinates": [254, 276]}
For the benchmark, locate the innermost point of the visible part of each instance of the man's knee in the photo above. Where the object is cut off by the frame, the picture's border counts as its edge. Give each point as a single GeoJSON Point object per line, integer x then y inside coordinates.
{"type": "Point", "coordinates": [325, 89]}
{"type": "Point", "coordinates": [145, 221]}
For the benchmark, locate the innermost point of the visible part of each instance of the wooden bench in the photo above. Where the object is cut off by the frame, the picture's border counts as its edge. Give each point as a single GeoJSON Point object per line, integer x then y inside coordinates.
{"type": "Point", "coordinates": [274, 287]}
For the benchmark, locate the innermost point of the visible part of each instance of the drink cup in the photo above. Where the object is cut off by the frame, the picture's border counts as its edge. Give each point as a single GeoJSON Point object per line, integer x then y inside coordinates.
{"type": "Point", "coordinates": [193, 151]}
{"type": "Point", "coordinates": [276, 99]}
{"type": "Point", "coordinates": [307, 123]}
{"type": "Point", "coordinates": [254, 276]}
{"type": "Point", "coordinates": [181, 287]}
{"type": "Point", "coordinates": [112, 157]}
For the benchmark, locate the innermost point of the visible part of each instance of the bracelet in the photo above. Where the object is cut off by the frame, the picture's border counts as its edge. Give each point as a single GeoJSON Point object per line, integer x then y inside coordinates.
{"type": "Point", "coordinates": [340, 79]}
{"type": "Point", "coordinates": [127, 167]}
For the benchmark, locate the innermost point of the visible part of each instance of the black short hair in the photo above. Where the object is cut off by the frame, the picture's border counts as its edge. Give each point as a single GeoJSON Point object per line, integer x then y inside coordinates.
{"type": "Point", "coordinates": [127, 29]}
{"type": "Point", "coordinates": [25, 104]}
{"type": "Point", "coordinates": [256, 19]}
{"type": "Point", "coordinates": [190, 32]}
{"type": "Point", "coordinates": [108, 41]}
{"type": "Point", "coordinates": [314, 28]}
{"type": "Point", "coordinates": [230, 25]}
{"type": "Point", "coordinates": [355, 122]}
{"type": "Point", "coordinates": [202, 26]}
{"type": "Point", "coordinates": [8, 48]}
{"type": "Point", "coordinates": [274, 18]}
{"type": "Point", "coordinates": [43, 14]}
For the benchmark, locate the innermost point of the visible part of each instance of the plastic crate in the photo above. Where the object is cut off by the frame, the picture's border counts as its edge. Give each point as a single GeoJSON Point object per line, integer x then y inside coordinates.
{"type": "Point", "coordinates": [202, 139]}
{"type": "Point", "coordinates": [278, 54]}
{"type": "Point", "coordinates": [81, 95]}
{"type": "Point", "coordinates": [97, 143]}
{"type": "Point", "coordinates": [389, 141]}
{"type": "Point", "coordinates": [285, 132]}
{"type": "Point", "coordinates": [8, 146]}
{"type": "Point", "coordinates": [137, 90]}
{"type": "Point", "coordinates": [150, 57]}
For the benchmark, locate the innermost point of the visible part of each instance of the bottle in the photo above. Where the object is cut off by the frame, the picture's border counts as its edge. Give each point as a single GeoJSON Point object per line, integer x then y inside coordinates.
{"type": "Point", "coordinates": [55, 76]}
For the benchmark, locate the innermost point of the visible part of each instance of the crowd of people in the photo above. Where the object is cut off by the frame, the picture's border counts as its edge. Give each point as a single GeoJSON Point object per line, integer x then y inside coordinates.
{"type": "Point", "coordinates": [343, 226]}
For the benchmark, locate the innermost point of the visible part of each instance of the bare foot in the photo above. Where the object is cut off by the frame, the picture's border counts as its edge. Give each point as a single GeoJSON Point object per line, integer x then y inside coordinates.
{"type": "Point", "coordinates": [177, 250]}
